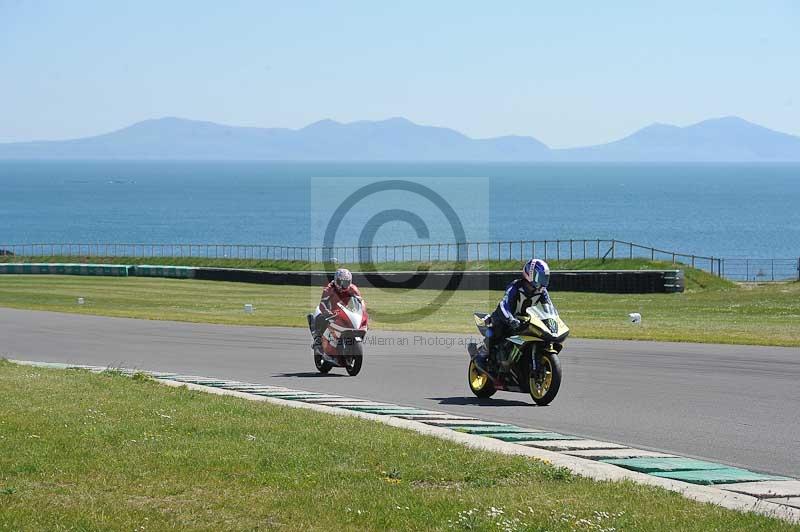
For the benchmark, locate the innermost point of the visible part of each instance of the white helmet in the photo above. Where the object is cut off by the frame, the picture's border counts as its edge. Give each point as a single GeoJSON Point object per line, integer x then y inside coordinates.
{"type": "Point", "coordinates": [537, 272]}
{"type": "Point", "coordinates": [342, 279]}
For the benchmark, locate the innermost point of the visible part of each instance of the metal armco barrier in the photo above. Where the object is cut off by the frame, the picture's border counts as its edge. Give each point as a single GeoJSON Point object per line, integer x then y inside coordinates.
{"type": "Point", "coordinates": [176, 272]}
{"type": "Point", "coordinates": [615, 282]}
{"type": "Point", "coordinates": [607, 281]}
{"type": "Point", "coordinates": [116, 270]}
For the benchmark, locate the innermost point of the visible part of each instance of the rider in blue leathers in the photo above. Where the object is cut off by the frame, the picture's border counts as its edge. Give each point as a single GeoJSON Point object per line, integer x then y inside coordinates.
{"type": "Point", "coordinates": [520, 294]}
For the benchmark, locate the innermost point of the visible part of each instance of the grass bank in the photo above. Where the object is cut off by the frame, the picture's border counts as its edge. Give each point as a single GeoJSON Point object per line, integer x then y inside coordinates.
{"type": "Point", "coordinates": [766, 314]}
{"type": "Point", "coordinates": [695, 278]}
{"type": "Point", "coordinates": [99, 452]}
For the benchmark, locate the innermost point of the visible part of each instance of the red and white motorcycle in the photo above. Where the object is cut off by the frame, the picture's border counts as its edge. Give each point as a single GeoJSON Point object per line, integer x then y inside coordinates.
{"type": "Point", "coordinates": [343, 338]}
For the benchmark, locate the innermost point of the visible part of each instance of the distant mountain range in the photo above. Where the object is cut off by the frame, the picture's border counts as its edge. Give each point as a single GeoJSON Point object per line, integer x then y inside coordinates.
{"type": "Point", "coordinates": [729, 139]}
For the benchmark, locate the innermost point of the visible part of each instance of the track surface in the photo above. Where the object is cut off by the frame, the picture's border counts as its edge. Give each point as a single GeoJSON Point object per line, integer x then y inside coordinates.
{"type": "Point", "coordinates": [735, 404]}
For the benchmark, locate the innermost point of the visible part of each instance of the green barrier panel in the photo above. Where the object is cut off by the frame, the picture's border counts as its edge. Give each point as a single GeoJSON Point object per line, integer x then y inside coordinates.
{"type": "Point", "coordinates": [200, 382]}
{"type": "Point", "coordinates": [114, 270]}
{"type": "Point", "coordinates": [383, 411]}
{"type": "Point", "coordinates": [338, 403]}
{"type": "Point", "coordinates": [362, 406]}
{"type": "Point", "coordinates": [284, 395]}
{"type": "Point", "coordinates": [716, 476]}
{"type": "Point", "coordinates": [489, 429]}
{"type": "Point", "coordinates": [528, 436]}
{"type": "Point", "coordinates": [653, 465]}
{"type": "Point", "coordinates": [176, 272]}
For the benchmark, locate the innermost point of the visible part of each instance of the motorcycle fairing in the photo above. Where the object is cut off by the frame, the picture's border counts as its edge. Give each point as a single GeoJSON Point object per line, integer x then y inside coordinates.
{"type": "Point", "coordinates": [545, 324]}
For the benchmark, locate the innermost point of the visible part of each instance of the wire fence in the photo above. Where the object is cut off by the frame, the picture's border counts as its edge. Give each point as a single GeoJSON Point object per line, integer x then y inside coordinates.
{"type": "Point", "coordinates": [759, 270]}
{"type": "Point", "coordinates": [771, 269]}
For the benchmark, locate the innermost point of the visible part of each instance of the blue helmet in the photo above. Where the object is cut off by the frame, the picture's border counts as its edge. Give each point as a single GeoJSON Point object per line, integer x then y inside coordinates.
{"type": "Point", "coordinates": [536, 272]}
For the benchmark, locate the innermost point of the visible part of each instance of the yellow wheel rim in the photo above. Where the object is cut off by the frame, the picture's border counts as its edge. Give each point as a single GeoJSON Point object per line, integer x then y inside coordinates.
{"type": "Point", "coordinates": [540, 387]}
{"type": "Point", "coordinates": [477, 379]}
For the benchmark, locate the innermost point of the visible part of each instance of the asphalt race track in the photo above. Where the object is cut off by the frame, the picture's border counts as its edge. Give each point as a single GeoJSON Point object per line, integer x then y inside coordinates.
{"type": "Point", "coordinates": [738, 405]}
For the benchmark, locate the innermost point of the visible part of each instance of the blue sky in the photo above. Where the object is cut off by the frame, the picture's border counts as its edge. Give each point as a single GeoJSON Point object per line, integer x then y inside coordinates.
{"type": "Point", "coordinates": [568, 73]}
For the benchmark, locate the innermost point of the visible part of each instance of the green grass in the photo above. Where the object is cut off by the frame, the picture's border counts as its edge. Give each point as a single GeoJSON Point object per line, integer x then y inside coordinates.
{"type": "Point", "coordinates": [103, 452]}
{"type": "Point", "coordinates": [766, 314]}
{"type": "Point", "coordinates": [695, 278]}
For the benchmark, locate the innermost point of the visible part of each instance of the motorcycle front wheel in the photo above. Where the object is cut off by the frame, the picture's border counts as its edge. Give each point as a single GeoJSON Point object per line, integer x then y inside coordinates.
{"type": "Point", "coordinates": [323, 366]}
{"type": "Point", "coordinates": [354, 356]}
{"type": "Point", "coordinates": [479, 382]}
{"type": "Point", "coordinates": [546, 381]}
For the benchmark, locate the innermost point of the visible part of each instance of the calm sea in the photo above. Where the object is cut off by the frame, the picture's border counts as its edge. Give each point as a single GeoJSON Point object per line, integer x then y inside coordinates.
{"type": "Point", "coordinates": [714, 209]}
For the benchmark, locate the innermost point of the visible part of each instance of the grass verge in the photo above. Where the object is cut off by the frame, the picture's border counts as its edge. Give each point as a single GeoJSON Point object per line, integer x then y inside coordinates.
{"type": "Point", "coordinates": [90, 452]}
{"type": "Point", "coordinates": [695, 278]}
{"type": "Point", "coordinates": [765, 314]}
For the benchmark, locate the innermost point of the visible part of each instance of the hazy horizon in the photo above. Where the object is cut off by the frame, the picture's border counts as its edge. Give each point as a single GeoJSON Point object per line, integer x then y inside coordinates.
{"type": "Point", "coordinates": [569, 76]}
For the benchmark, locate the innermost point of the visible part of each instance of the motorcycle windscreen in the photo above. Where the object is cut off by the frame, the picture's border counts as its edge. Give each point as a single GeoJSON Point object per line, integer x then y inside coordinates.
{"type": "Point", "coordinates": [543, 311]}
{"type": "Point", "coordinates": [354, 310]}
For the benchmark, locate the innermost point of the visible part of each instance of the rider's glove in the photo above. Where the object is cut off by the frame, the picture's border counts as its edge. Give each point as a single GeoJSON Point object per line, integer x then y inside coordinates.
{"type": "Point", "coordinates": [514, 323]}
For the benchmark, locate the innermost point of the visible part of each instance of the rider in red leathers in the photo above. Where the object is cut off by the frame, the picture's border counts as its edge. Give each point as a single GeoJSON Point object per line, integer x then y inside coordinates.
{"type": "Point", "coordinates": [340, 290]}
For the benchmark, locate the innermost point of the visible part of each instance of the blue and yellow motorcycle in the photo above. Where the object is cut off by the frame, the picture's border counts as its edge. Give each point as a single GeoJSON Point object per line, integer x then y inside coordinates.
{"type": "Point", "coordinates": [526, 361]}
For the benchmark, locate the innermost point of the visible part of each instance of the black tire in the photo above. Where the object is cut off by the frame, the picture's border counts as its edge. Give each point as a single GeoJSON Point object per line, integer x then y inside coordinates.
{"type": "Point", "coordinates": [549, 383]}
{"type": "Point", "coordinates": [480, 383]}
{"type": "Point", "coordinates": [354, 356]}
{"type": "Point", "coordinates": [323, 366]}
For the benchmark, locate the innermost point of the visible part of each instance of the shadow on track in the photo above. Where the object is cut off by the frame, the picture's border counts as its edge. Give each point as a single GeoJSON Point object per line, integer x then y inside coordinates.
{"type": "Point", "coordinates": [304, 374]}
{"type": "Point", "coordinates": [461, 401]}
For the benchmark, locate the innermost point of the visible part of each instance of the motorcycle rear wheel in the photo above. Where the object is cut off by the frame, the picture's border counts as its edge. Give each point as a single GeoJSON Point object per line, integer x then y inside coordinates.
{"type": "Point", "coordinates": [479, 382]}
{"type": "Point", "coordinates": [353, 358]}
{"type": "Point", "coordinates": [544, 386]}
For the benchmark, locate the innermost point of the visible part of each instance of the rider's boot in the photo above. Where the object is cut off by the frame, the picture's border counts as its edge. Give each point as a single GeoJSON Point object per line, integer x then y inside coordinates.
{"type": "Point", "coordinates": [316, 344]}
{"type": "Point", "coordinates": [317, 328]}
{"type": "Point", "coordinates": [482, 358]}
